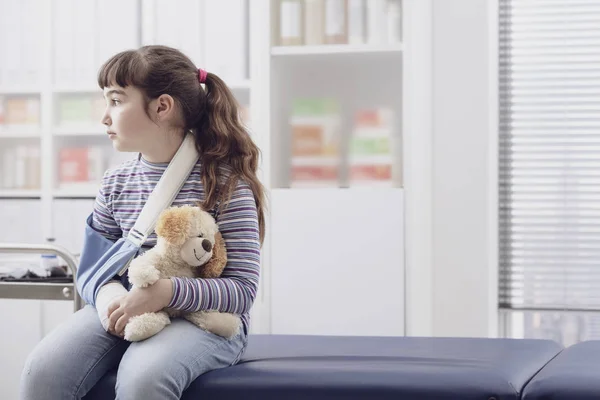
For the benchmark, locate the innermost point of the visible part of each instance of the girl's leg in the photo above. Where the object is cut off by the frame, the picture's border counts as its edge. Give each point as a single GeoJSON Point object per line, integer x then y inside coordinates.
{"type": "Point", "coordinates": [68, 361]}
{"type": "Point", "coordinates": [164, 365]}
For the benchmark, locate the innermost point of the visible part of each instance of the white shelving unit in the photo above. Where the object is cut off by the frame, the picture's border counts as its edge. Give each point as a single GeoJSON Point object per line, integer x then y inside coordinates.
{"type": "Point", "coordinates": [333, 259]}
{"type": "Point", "coordinates": [19, 133]}
{"type": "Point", "coordinates": [20, 194]}
{"type": "Point", "coordinates": [9, 89]}
{"type": "Point", "coordinates": [333, 49]}
{"type": "Point", "coordinates": [65, 82]}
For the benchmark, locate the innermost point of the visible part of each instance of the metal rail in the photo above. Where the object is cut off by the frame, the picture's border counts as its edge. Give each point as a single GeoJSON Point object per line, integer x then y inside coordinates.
{"type": "Point", "coordinates": [42, 290]}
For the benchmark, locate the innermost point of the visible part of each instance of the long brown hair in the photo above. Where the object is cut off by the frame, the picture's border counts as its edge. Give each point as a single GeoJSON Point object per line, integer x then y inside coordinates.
{"type": "Point", "coordinates": [211, 112]}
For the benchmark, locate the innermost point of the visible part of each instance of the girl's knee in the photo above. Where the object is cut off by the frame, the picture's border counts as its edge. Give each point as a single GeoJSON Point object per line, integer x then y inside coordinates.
{"type": "Point", "coordinates": [45, 377]}
{"type": "Point", "coordinates": [65, 364]}
{"type": "Point", "coordinates": [38, 368]}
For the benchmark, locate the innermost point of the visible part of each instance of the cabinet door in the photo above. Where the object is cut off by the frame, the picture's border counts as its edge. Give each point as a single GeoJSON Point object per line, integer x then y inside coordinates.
{"type": "Point", "coordinates": [24, 216]}
{"type": "Point", "coordinates": [20, 331]}
{"type": "Point", "coordinates": [24, 324]}
{"type": "Point", "coordinates": [337, 265]}
{"type": "Point", "coordinates": [68, 221]}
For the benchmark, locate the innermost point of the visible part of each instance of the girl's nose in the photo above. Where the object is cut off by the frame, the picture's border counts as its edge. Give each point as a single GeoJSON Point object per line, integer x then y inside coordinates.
{"type": "Point", "coordinates": [105, 118]}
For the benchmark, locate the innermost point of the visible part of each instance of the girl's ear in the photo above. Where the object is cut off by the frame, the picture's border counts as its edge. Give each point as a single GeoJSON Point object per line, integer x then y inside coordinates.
{"type": "Point", "coordinates": [164, 106]}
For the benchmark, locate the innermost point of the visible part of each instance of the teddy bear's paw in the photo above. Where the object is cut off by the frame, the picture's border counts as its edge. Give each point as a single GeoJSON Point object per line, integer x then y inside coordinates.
{"type": "Point", "coordinates": [143, 326]}
{"type": "Point", "coordinates": [143, 277]}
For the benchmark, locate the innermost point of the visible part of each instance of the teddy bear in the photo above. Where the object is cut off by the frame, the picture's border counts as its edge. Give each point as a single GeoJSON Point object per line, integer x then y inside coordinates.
{"type": "Point", "coordinates": [190, 245]}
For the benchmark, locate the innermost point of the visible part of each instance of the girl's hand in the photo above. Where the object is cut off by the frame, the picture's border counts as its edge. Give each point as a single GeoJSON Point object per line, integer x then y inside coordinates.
{"type": "Point", "coordinates": [113, 305]}
{"type": "Point", "coordinates": [137, 302]}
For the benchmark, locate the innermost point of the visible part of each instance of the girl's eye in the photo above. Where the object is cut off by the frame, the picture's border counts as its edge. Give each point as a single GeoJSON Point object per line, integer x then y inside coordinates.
{"type": "Point", "coordinates": [115, 102]}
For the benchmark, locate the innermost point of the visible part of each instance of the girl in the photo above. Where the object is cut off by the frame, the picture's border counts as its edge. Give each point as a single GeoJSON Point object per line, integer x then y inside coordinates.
{"type": "Point", "coordinates": [154, 96]}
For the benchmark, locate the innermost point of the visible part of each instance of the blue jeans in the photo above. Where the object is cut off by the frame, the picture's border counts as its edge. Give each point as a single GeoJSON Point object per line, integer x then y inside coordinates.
{"type": "Point", "coordinates": [72, 358]}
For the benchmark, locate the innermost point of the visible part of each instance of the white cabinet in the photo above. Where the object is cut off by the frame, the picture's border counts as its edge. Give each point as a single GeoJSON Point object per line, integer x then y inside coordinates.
{"type": "Point", "coordinates": [328, 94]}
{"type": "Point", "coordinates": [20, 220]}
{"type": "Point", "coordinates": [68, 220]}
{"type": "Point", "coordinates": [24, 324]}
{"type": "Point", "coordinates": [19, 332]}
{"type": "Point", "coordinates": [337, 262]}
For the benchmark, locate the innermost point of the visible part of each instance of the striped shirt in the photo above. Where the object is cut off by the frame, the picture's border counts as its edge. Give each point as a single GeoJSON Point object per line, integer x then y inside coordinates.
{"type": "Point", "coordinates": [123, 193]}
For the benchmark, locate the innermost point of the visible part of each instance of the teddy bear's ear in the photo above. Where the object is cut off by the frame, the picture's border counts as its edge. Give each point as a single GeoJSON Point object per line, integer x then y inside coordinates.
{"type": "Point", "coordinates": [215, 266]}
{"type": "Point", "coordinates": [174, 224]}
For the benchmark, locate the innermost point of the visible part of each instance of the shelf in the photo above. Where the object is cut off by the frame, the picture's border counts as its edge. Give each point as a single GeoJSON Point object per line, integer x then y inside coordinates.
{"type": "Point", "coordinates": [66, 89]}
{"type": "Point", "coordinates": [376, 188]}
{"type": "Point", "coordinates": [20, 193]}
{"type": "Point", "coordinates": [20, 132]}
{"type": "Point", "coordinates": [70, 194]}
{"type": "Point", "coordinates": [83, 190]}
{"type": "Point", "coordinates": [77, 89]}
{"type": "Point", "coordinates": [337, 49]}
{"type": "Point", "coordinates": [19, 90]}
{"type": "Point", "coordinates": [79, 131]}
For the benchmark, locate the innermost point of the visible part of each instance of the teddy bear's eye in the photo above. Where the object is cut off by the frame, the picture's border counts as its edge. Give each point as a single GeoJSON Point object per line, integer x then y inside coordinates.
{"type": "Point", "coordinates": [200, 235]}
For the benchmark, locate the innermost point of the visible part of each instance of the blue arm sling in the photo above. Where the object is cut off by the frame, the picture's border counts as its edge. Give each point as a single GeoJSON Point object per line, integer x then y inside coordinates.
{"type": "Point", "coordinates": [102, 259]}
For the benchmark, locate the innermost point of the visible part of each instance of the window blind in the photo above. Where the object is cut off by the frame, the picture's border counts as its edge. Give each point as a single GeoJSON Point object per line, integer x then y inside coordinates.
{"type": "Point", "coordinates": [549, 154]}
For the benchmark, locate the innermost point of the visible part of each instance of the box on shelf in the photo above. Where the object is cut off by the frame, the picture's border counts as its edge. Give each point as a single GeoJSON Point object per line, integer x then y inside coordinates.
{"type": "Point", "coordinates": [22, 28]}
{"type": "Point", "coordinates": [371, 148]}
{"type": "Point", "coordinates": [289, 22]}
{"type": "Point", "coordinates": [336, 21]}
{"type": "Point", "coordinates": [20, 167]}
{"type": "Point", "coordinates": [81, 111]}
{"type": "Point", "coordinates": [98, 108]}
{"type": "Point", "coordinates": [77, 48]}
{"type": "Point", "coordinates": [19, 111]}
{"type": "Point", "coordinates": [226, 56]}
{"type": "Point", "coordinates": [316, 22]}
{"type": "Point", "coordinates": [81, 168]}
{"type": "Point", "coordinates": [315, 142]}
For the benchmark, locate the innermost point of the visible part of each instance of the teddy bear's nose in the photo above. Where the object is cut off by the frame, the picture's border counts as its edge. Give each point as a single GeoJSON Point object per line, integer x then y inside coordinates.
{"type": "Point", "coordinates": [206, 245]}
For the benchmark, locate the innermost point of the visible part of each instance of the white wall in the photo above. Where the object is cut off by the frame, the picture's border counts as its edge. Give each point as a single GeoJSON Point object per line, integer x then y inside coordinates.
{"type": "Point", "coordinates": [417, 163]}
{"type": "Point", "coordinates": [463, 134]}
{"type": "Point", "coordinates": [450, 156]}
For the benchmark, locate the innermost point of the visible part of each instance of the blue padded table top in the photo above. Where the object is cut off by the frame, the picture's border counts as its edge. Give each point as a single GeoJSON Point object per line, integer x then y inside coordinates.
{"type": "Point", "coordinates": [325, 367]}
{"type": "Point", "coordinates": [573, 375]}
{"type": "Point", "coordinates": [280, 367]}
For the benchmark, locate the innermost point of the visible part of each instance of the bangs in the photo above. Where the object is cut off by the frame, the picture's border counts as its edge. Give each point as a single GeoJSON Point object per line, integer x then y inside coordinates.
{"type": "Point", "coordinates": [124, 69]}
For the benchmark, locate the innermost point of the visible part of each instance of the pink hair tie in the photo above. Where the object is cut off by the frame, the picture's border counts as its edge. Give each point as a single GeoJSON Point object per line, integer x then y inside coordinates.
{"type": "Point", "coordinates": [202, 75]}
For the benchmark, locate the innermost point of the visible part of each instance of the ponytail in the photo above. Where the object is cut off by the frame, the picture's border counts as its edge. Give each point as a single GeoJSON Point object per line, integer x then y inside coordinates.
{"type": "Point", "coordinates": [224, 142]}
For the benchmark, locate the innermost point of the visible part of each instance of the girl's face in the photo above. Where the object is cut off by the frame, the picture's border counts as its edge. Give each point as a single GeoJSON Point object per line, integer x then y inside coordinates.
{"type": "Point", "coordinates": [127, 124]}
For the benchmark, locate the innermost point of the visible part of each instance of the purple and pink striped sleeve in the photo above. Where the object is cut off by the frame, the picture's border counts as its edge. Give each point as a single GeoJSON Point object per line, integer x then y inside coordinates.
{"type": "Point", "coordinates": [102, 217]}
{"type": "Point", "coordinates": [235, 291]}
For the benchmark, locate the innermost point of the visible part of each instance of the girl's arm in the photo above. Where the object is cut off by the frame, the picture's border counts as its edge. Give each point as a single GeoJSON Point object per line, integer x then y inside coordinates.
{"type": "Point", "coordinates": [235, 291]}
{"type": "Point", "coordinates": [104, 223]}
{"type": "Point", "coordinates": [102, 217]}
